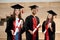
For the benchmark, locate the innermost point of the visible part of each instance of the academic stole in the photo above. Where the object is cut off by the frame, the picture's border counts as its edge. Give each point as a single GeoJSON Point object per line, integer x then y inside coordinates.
{"type": "Point", "coordinates": [15, 23]}
{"type": "Point", "coordinates": [47, 34]}
{"type": "Point", "coordinates": [34, 26]}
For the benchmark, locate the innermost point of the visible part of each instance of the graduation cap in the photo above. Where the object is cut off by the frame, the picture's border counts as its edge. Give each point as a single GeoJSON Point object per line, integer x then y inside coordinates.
{"type": "Point", "coordinates": [52, 12]}
{"type": "Point", "coordinates": [33, 7]}
{"type": "Point", "coordinates": [17, 6]}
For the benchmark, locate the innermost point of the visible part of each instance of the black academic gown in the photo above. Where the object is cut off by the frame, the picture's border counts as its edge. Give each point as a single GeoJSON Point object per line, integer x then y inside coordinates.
{"type": "Point", "coordinates": [51, 33]}
{"type": "Point", "coordinates": [9, 27]}
{"type": "Point", "coordinates": [29, 26]}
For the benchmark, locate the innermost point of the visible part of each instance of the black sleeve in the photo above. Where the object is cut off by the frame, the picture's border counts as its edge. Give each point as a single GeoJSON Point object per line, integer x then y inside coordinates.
{"type": "Point", "coordinates": [7, 22]}
{"type": "Point", "coordinates": [8, 25]}
{"type": "Point", "coordinates": [53, 27]}
{"type": "Point", "coordinates": [23, 28]}
{"type": "Point", "coordinates": [27, 24]}
{"type": "Point", "coordinates": [43, 26]}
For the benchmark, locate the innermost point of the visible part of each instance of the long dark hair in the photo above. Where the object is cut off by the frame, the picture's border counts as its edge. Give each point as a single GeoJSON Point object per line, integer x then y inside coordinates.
{"type": "Point", "coordinates": [47, 20]}
{"type": "Point", "coordinates": [13, 16]}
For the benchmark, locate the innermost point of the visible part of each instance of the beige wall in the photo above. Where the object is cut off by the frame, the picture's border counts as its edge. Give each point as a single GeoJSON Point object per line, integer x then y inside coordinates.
{"type": "Point", "coordinates": [5, 10]}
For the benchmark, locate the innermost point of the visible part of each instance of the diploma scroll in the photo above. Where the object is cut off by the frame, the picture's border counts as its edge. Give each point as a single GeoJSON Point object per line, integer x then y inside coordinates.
{"type": "Point", "coordinates": [17, 30]}
{"type": "Point", "coordinates": [36, 28]}
{"type": "Point", "coordinates": [47, 29]}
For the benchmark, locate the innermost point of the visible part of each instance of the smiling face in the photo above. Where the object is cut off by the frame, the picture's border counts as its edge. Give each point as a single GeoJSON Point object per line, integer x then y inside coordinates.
{"type": "Point", "coordinates": [34, 11]}
{"type": "Point", "coordinates": [49, 16]}
{"type": "Point", "coordinates": [17, 11]}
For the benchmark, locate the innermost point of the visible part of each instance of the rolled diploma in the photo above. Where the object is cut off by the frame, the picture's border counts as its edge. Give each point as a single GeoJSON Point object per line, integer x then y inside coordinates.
{"type": "Point", "coordinates": [36, 28]}
{"type": "Point", "coordinates": [17, 30]}
{"type": "Point", "coordinates": [47, 29]}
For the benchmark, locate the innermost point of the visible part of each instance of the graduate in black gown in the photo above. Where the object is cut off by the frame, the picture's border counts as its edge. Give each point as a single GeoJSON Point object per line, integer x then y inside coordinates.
{"type": "Point", "coordinates": [31, 23]}
{"type": "Point", "coordinates": [12, 24]}
{"type": "Point", "coordinates": [48, 26]}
